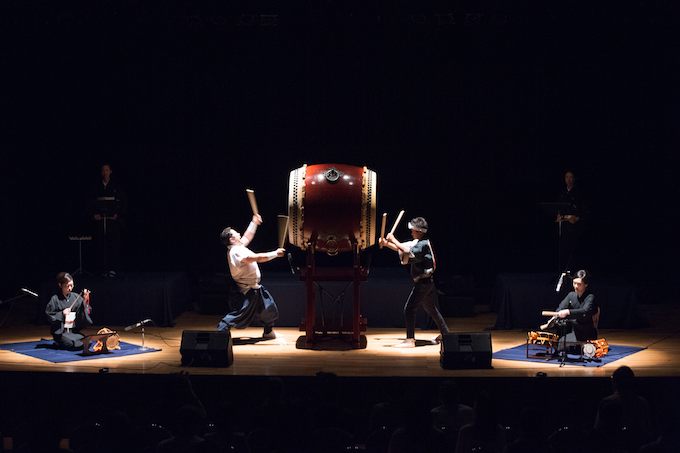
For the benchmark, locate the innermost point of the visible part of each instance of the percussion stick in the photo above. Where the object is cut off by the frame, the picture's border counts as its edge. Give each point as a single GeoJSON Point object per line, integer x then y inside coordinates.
{"type": "Point", "coordinates": [283, 229]}
{"type": "Point", "coordinates": [396, 222]}
{"type": "Point", "coordinates": [549, 313]}
{"type": "Point", "coordinates": [253, 203]}
{"type": "Point", "coordinates": [382, 230]}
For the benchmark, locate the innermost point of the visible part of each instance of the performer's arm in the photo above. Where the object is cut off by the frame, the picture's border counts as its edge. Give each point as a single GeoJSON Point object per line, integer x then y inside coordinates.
{"type": "Point", "coordinates": [562, 310]}
{"type": "Point", "coordinates": [585, 310]}
{"type": "Point", "coordinates": [400, 246]}
{"type": "Point", "coordinates": [264, 257]}
{"type": "Point", "coordinates": [252, 228]}
{"type": "Point", "coordinates": [403, 248]}
{"type": "Point", "coordinates": [53, 312]}
{"type": "Point", "coordinates": [385, 243]}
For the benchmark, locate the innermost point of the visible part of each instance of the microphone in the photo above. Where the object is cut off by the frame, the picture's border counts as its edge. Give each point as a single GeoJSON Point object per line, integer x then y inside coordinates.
{"type": "Point", "coordinates": [559, 283]}
{"type": "Point", "coordinates": [34, 294]}
{"type": "Point", "coordinates": [140, 323]}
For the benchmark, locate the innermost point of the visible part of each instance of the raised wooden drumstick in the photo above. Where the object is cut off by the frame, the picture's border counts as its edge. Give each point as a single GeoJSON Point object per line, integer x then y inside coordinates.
{"type": "Point", "coordinates": [253, 203]}
{"type": "Point", "coordinates": [283, 229]}
{"type": "Point", "coordinates": [396, 222]}
{"type": "Point", "coordinates": [382, 230]}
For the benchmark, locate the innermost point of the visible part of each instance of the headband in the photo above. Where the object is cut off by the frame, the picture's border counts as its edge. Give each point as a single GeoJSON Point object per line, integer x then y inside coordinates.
{"type": "Point", "coordinates": [411, 227]}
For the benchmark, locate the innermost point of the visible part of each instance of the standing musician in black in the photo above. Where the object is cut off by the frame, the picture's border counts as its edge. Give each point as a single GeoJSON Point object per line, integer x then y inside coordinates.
{"type": "Point", "coordinates": [418, 253]}
{"type": "Point", "coordinates": [107, 206]}
{"type": "Point", "coordinates": [573, 224]}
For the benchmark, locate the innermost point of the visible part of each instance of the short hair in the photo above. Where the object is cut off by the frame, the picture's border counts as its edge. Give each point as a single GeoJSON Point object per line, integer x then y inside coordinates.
{"type": "Point", "coordinates": [584, 275]}
{"type": "Point", "coordinates": [419, 222]}
{"type": "Point", "coordinates": [623, 377]}
{"type": "Point", "coordinates": [225, 236]}
{"type": "Point", "coordinates": [64, 277]}
{"type": "Point", "coordinates": [448, 392]}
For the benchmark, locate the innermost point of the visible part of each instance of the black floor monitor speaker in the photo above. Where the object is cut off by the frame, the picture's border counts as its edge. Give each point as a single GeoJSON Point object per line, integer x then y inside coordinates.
{"type": "Point", "coordinates": [206, 348]}
{"type": "Point", "coordinates": [466, 350]}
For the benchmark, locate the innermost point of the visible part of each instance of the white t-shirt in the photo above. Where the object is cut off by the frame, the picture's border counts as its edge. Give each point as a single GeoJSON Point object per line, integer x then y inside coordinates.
{"type": "Point", "coordinates": [246, 275]}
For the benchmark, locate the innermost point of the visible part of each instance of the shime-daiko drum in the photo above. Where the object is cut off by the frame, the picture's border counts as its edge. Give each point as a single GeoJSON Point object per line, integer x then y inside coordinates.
{"type": "Point", "coordinates": [333, 207]}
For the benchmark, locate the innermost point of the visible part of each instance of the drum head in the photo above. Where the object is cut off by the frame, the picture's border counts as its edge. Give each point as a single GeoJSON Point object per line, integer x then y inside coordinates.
{"type": "Point", "coordinates": [332, 207]}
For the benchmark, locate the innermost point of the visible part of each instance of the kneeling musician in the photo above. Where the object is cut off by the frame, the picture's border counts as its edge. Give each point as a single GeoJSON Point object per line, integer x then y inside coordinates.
{"type": "Point", "coordinates": [574, 315]}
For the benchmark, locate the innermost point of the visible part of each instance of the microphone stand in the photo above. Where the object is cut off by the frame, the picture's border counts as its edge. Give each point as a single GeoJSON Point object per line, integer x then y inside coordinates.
{"type": "Point", "coordinates": [140, 324]}
{"type": "Point", "coordinates": [142, 347]}
{"type": "Point", "coordinates": [562, 328]}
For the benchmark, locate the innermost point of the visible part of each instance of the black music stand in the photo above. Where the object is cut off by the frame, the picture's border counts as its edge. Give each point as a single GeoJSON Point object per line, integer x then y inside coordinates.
{"type": "Point", "coordinates": [106, 207]}
{"type": "Point", "coordinates": [80, 253]}
{"type": "Point", "coordinates": [559, 209]}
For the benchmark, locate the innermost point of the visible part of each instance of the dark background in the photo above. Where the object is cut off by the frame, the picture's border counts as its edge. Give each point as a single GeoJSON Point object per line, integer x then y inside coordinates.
{"type": "Point", "coordinates": [469, 112]}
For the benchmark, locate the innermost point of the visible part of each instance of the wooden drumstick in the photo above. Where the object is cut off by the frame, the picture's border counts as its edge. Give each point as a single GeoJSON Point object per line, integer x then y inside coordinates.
{"type": "Point", "coordinates": [382, 230]}
{"type": "Point", "coordinates": [548, 313]}
{"type": "Point", "coordinates": [283, 230]}
{"type": "Point", "coordinates": [253, 203]}
{"type": "Point", "coordinates": [396, 222]}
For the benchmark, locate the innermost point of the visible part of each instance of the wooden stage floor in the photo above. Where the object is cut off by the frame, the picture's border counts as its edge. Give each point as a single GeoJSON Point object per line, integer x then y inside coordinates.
{"type": "Point", "coordinates": [659, 334]}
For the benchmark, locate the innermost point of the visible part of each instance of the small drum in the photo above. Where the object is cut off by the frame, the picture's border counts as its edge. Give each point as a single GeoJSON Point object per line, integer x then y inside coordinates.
{"type": "Point", "coordinates": [111, 342]}
{"type": "Point", "coordinates": [596, 348]}
{"type": "Point", "coordinates": [545, 338]}
{"type": "Point", "coordinates": [332, 206]}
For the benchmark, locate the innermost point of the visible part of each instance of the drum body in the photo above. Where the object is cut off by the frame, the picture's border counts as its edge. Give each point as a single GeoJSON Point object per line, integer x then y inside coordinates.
{"type": "Point", "coordinates": [112, 342]}
{"type": "Point", "coordinates": [332, 207]}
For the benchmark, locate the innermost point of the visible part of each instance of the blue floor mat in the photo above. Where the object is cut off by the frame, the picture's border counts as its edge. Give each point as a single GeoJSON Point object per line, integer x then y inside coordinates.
{"type": "Point", "coordinates": [45, 350]}
{"type": "Point", "coordinates": [616, 352]}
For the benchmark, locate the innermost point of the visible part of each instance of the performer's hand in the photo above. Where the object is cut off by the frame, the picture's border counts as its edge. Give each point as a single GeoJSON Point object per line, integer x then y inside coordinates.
{"type": "Point", "coordinates": [257, 219]}
{"type": "Point", "coordinates": [97, 217]}
{"type": "Point", "coordinates": [66, 311]}
{"type": "Point", "coordinates": [390, 237]}
{"type": "Point", "coordinates": [382, 242]}
{"type": "Point", "coordinates": [573, 219]}
{"type": "Point", "coordinates": [563, 313]}
{"type": "Point", "coordinates": [280, 253]}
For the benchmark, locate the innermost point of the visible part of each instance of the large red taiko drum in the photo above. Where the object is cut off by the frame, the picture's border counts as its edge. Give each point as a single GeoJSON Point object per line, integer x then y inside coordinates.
{"type": "Point", "coordinates": [332, 206]}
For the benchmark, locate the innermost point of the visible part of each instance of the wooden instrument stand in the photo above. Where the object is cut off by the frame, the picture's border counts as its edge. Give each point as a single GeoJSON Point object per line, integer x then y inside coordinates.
{"type": "Point", "coordinates": [103, 337]}
{"type": "Point", "coordinates": [311, 274]}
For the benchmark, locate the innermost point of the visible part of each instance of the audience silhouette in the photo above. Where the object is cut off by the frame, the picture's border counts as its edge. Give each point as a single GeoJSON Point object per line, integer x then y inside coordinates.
{"type": "Point", "coordinates": [317, 418]}
{"type": "Point", "coordinates": [484, 433]}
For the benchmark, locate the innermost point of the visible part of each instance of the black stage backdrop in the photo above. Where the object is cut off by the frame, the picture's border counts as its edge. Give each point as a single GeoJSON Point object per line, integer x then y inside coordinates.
{"type": "Point", "coordinates": [470, 113]}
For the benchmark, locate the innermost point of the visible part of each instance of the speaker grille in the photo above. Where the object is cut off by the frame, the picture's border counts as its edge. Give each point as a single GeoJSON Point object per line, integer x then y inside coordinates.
{"type": "Point", "coordinates": [466, 350]}
{"type": "Point", "coordinates": [206, 348]}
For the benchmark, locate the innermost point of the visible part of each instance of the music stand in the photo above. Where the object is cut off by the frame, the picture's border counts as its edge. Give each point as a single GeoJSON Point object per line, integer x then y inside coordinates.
{"type": "Point", "coordinates": [80, 253]}
{"type": "Point", "coordinates": [559, 209]}
{"type": "Point", "coordinates": [107, 207]}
